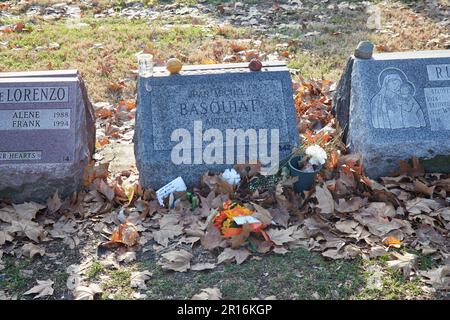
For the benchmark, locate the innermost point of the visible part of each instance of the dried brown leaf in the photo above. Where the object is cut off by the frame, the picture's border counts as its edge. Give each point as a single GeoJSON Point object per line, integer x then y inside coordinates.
{"type": "Point", "coordinates": [377, 251]}
{"type": "Point", "coordinates": [262, 214]}
{"type": "Point", "coordinates": [169, 229]}
{"type": "Point", "coordinates": [419, 205]}
{"type": "Point", "coordinates": [30, 250]}
{"type": "Point", "coordinates": [208, 294]}
{"type": "Point", "coordinates": [264, 246]}
{"type": "Point", "coordinates": [325, 199]}
{"type": "Point", "coordinates": [125, 233]}
{"type": "Point", "coordinates": [5, 236]}
{"type": "Point", "coordinates": [27, 228]}
{"type": "Point", "coordinates": [54, 203]}
{"type": "Point", "coordinates": [203, 266]}
{"type": "Point", "coordinates": [280, 236]}
{"type": "Point", "coordinates": [346, 226]}
{"type": "Point", "coordinates": [280, 250]}
{"type": "Point", "coordinates": [241, 238]}
{"type": "Point", "coordinates": [228, 255]}
{"type": "Point", "coordinates": [351, 205]}
{"type": "Point", "coordinates": [127, 257]}
{"type": "Point", "coordinates": [87, 293]}
{"type": "Point", "coordinates": [7, 214]}
{"type": "Point", "coordinates": [176, 260]}
{"type": "Point", "coordinates": [248, 170]}
{"type": "Point", "coordinates": [334, 254]}
{"type": "Point", "coordinates": [42, 289]}
{"type": "Point", "coordinates": [280, 215]}
{"type": "Point", "coordinates": [439, 277]}
{"type": "Point", "coordinates": [421, 187]}
{"type": "Point", "coordinates": [212, 238]}
{"type": "Point", "coordinates": [138, 279]}
{"type": "Point", "coordinates": [215, 183]}
{"type": "Point", "coordinates": [105, 189]}
{"type": "Point", "coordinates": [27, 210]}
{"type": "Point", "coordinates": [62, 228]}
{"type": "Point", "coordinates": [405, 262]}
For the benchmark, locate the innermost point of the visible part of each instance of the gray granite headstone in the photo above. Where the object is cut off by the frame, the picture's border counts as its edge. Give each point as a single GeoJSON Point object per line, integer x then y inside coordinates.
{"type": "Point", "coordinates": [47, 134]}
{"type": "Point", "coordinates": [221, 97]}
{"type": "Point", "coordinates": [399, 108]}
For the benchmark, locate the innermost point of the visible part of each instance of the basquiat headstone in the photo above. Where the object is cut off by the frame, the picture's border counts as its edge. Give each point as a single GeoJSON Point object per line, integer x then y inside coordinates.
{"type": "Point", "coordinates": [399, 107]}
{"type": "Point", "coordinates": [208, 118]}
{"type": "Point", "coordinates": [47, 134]}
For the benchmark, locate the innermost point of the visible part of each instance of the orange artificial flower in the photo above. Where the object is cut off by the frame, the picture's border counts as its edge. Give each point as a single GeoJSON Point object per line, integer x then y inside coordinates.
{"type": "Point", "coordinates": [224, 220]}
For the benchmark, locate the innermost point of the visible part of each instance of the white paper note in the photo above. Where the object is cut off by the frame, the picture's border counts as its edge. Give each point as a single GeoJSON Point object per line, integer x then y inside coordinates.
{"type": "Point", "coordinates": [173, 186]}
{"type": "Point", "coordinates": [245, 219]}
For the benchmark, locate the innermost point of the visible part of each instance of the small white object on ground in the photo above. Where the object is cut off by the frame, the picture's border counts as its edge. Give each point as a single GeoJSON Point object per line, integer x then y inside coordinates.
{"type": "Point", "coordinates": [173, 186]}
{"type": "Point", "coordinates": [317, 155]}
{"type": "Point", "coordinates": [121, 216]}
{"type": "Point", "coordinates": [245, 219]}
{"type": "Point", "coordinates": [231, 176]}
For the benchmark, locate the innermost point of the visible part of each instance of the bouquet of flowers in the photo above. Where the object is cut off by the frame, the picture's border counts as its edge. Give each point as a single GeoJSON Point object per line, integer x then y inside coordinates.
{"type": "Point", "coordinates": [225, 223]}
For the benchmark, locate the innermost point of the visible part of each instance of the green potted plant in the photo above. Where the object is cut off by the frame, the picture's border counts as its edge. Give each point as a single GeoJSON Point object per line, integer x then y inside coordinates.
{"type": "Point", "coordinates": [305, 163]}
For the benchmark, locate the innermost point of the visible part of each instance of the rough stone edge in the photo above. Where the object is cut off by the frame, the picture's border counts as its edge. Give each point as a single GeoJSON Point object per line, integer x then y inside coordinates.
{"type": "Point", "coordinates": [341, 98]}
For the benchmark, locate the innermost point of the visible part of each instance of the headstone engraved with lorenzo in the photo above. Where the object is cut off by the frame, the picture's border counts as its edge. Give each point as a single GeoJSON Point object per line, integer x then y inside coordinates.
{"type": "Point", "coordinates": [47, 134]}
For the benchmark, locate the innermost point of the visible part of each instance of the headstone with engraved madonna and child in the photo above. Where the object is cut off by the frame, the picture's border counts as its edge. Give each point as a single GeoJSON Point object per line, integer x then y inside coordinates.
{"type": "Point", "coordinates": [399, 107]}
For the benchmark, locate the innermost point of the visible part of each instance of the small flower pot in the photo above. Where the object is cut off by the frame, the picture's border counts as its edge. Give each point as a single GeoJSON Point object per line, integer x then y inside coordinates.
{"type": "Point", "coordinates": [305, 179]}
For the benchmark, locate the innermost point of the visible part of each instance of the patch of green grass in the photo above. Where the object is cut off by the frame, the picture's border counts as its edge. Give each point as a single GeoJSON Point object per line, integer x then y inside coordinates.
{"type": "Point", "coordinates": [105, 50]}
{"type": "Point", "coordinates": [60, 286]}
{"type": "Point", "coordinates": [296, 275]}
{"type": "Point", "coordinates": [320, 42]}
{"type": "Point", "coordinates": [426, 262]}
{"type": "Point", "coordinates": [95, 270]}
{"type": "Point", "coordinates": [14, 282]}
{"type": "Point", "coordinates": [299, 274]}
{"type": "Point", "coordinates": [338, 19]}
{"type": "Point", "coordinates": [312, 66]}
{"type": "Point", "coordinates": [119, 285]}
{"type": "Point", "coordinates": [393, 285]}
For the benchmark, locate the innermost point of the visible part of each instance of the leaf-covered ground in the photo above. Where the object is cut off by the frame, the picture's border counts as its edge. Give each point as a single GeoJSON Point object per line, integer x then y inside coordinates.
{"type": "Point", "coordinates": [349, 238]}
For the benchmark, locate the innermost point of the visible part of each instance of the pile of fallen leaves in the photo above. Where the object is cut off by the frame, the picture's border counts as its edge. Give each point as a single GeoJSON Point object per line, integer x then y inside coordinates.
{"type": "Point", "coordinates": [346, 214]}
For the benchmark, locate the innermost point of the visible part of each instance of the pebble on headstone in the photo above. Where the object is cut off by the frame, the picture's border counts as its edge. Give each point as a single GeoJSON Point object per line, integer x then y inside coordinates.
{"type": "Point", "coordinates": [199, 105]}
{"type": "Point", "coordinates": [364, 50]}
{"type": "Point", "coordinates": [47, 127]}
{"type": "Point", "coordinates": [400, 108]}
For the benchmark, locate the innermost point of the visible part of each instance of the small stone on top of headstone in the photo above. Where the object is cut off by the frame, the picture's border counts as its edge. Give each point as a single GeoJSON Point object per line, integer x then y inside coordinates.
{"type": "Point", "coordinates": [47, 127]}
{"type": "Point", "coordinates": [364, 50]}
